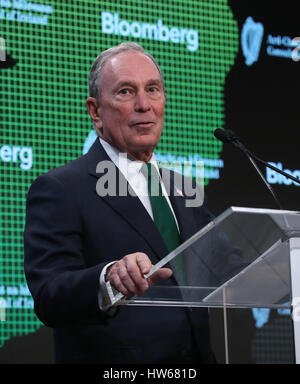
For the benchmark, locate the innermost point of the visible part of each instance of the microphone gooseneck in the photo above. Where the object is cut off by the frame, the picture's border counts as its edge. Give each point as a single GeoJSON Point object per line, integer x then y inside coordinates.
{"type": "Point", "coordinates": [229, 137]}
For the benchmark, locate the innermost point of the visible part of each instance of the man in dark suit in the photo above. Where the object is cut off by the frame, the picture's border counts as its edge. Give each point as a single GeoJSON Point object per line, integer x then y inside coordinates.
{"type": "Point", "coordinates": [77, 238]}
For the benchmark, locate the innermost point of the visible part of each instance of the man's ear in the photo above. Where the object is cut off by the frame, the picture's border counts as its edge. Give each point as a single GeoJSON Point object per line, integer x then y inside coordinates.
{"type": "Point", "coordinates": [94, 111]}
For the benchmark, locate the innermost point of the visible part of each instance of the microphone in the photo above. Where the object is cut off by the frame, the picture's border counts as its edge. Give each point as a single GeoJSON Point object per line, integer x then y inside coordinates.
{"type": "Point", "coordinates": [230, 137]}
{"type": "Point", "coordinates": [225, 136]}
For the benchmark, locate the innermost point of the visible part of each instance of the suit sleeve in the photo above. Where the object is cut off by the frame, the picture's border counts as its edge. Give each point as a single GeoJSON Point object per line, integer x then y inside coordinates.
{"type": "Point", "coordinates": [63, 287]}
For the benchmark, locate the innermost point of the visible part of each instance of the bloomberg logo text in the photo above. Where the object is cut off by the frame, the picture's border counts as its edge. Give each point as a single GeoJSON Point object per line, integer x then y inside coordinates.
{"type": "Point", "coordinates": [111, 24]}
{"type": "Point", "coordinates": [274, 177]}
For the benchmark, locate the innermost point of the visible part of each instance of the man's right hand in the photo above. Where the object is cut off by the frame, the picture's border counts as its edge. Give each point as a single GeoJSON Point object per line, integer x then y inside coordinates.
{"type": "Point", "coordinates": [127, 274]}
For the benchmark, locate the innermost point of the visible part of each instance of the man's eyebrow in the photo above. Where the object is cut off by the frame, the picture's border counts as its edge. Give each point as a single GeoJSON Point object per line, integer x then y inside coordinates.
{"type": "Point", "coordinates": [125, 83]}
{"type": "Point", "coordinates": [154, 81]}
{"type": "Point", "coordinates": [133, 84]}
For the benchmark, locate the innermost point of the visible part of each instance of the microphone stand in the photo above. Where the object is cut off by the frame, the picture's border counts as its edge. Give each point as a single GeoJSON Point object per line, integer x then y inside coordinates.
{"type": "Point", "coordinates": [228, 136]}
{"type": "Point", "coordinates": [250, 157]}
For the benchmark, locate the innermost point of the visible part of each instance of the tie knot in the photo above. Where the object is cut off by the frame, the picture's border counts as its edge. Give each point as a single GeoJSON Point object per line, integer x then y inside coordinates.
{"type": "Point", "coordinates": [152, 176]}
{"type": "Point", "coordinates": [149, 171]}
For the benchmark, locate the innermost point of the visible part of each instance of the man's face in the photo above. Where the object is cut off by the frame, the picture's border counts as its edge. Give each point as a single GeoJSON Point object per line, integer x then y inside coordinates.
{"type": "Point", "coordinates": [131, 105]}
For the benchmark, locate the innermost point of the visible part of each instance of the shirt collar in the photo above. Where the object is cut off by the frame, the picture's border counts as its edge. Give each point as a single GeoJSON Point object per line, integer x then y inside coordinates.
{"type": "Point", "coordinates": [129, 168]}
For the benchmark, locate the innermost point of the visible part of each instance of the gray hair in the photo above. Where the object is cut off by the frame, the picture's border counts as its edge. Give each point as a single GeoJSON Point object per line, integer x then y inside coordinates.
{"type": "Point", "coordinates": [98, 64]}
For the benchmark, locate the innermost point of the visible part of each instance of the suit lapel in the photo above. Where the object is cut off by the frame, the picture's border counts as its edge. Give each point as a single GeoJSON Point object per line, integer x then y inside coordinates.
{"type": "Point", "coordinates": [187, 225]}
{"type": "Point", "coordinates": [128, 207]}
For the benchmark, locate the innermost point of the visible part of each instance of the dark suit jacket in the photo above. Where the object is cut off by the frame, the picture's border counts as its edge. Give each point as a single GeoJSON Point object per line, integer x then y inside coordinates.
{"type": "Point", "coordinates": [70, 234]}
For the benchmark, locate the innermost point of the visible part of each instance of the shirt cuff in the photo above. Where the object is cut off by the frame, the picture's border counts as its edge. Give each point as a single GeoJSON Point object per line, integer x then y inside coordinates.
{"type": "Point", "coordinates": [103, 297]}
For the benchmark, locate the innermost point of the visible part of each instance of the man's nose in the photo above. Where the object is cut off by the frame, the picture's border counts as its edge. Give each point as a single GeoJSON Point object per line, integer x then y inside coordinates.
{"type": "Point", "coordinates": [142, 103]}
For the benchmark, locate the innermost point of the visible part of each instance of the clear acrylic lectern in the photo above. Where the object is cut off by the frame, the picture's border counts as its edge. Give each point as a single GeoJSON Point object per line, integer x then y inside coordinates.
{"type": "Point", "coordinates": [245, 258]}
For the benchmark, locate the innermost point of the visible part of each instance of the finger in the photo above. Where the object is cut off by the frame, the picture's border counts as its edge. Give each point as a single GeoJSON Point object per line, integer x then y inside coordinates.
{"type": "Point", "coordinates": [143, 262]}
{"type": "Point", "coordinates": [116, 282]}
{"type": "Point", "coordinates": [135, 272]}
{"type": "Point", "coordinates": [119, 278]}
{"type": "Point", "coordinates": [125, 278]}
{"type": "Point", "coordinates": [161, 274]}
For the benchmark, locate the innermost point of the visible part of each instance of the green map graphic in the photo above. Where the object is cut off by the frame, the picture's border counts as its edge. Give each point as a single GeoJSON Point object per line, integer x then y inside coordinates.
{"type": "Point", "coordinates": [44, 123]}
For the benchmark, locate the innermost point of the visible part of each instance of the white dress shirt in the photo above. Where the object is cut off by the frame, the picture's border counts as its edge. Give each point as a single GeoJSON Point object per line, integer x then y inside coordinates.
{"type": "Point", "coordinates": [131, 170]}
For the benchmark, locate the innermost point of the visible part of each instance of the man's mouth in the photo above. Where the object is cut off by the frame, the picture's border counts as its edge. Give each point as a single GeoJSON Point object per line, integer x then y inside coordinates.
{"type": "Point", "coordinates": [143, 124]}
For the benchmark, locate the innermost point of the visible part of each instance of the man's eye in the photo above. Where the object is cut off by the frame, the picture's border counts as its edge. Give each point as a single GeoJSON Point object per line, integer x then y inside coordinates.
{"type": "Point", "coordinates": [154, 92]}
{"type": "Point", "coordinates": [124, 91]}
{"type": "Point", "coordinates": [153, 89]}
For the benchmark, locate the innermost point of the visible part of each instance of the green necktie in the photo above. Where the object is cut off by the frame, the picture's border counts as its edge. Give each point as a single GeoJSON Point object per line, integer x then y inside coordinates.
{"type": "Point", "coordinates": [163, 217]}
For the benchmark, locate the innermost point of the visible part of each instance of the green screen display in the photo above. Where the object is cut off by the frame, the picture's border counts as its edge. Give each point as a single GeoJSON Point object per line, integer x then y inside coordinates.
{"type": "Point", "coordinates": [46, 51]}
